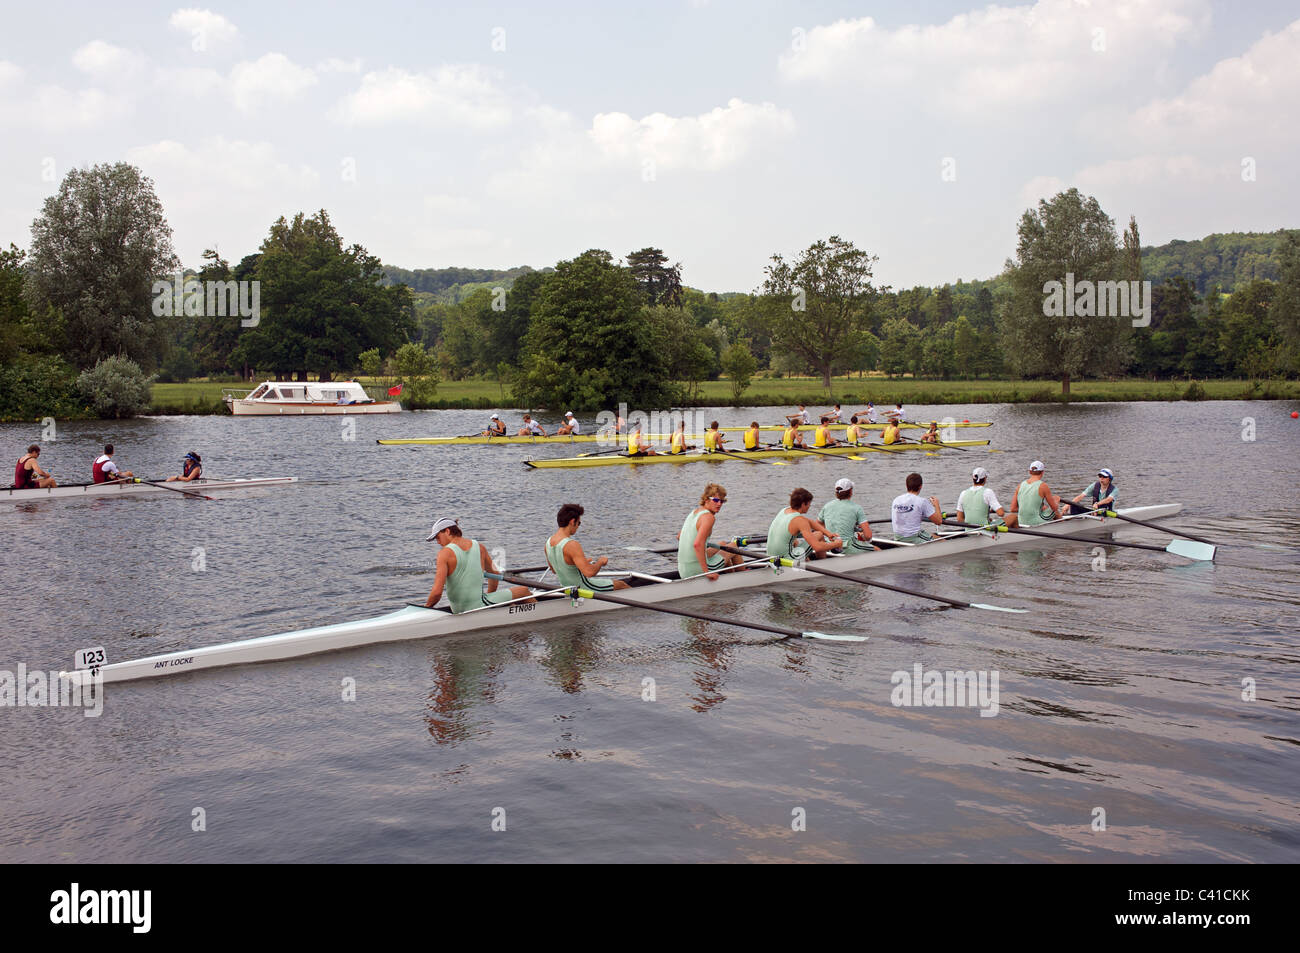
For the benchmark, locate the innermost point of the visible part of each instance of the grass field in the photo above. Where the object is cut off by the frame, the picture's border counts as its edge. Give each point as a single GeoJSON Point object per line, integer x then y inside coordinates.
{"type": "Point", "coordinates": [204, 397]}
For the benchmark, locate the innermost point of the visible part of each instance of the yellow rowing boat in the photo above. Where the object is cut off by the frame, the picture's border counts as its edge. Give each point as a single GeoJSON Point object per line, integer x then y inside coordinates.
{"type": "Point", "coordinates": [607, 437]}
{"type": "Point", "coordinates": [616, 459]}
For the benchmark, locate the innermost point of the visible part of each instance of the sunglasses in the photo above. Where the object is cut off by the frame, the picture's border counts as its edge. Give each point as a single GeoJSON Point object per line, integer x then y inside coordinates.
{"type": "Point", "coordinates": [716, 499]}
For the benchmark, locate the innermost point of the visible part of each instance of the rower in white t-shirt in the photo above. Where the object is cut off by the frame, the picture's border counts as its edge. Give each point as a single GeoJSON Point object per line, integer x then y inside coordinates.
{"type": "Point", "coordinates": [911, 510]}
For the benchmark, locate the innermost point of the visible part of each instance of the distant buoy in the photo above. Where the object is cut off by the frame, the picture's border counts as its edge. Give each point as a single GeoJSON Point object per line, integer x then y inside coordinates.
{"type": "Point", "coordinates": [1295, 414]}
{"type": "Point", "coordinates": [965, 421]}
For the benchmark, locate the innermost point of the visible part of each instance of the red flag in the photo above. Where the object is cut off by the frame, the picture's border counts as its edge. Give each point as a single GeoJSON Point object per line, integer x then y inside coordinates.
{"type": "Point", "coordinates": [394, 391]}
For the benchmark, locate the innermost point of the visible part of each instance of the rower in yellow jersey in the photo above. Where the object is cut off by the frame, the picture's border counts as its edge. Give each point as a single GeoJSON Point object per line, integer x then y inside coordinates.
{"type": "Point", "coordinates": [822, 436]}
{"type": "Point", "coordinates": [891, 433]}
{"type": "Point", "coordinates": [753, 438]}
{"type": "Point", "coordinates": [792, 437]}
{"type": "Point", "coordinates": [636, 444]}
{"type": "Point", "coordinates": [853, 436]}
{"type": "Point", "coordinates": [713, 439]}
{"type": "Point", "coordinates": [678, 443]}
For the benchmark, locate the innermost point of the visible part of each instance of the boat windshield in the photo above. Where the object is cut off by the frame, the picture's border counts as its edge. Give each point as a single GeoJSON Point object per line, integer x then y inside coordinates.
{"type": "Point", "coordinates": [257, 393]}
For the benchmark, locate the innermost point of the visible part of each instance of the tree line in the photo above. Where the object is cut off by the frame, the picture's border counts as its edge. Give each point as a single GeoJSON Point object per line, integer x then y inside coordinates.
{"type": "Point", "coordinates": [596, 329]}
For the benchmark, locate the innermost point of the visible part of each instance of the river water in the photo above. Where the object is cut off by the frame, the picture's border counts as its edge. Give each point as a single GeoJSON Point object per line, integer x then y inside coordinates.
{"type": "Point", "coordinates": [1149, 711]}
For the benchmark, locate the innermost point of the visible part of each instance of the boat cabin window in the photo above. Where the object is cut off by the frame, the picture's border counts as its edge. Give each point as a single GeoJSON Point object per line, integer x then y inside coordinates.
{"type": "Point", "coordinates": [258, 393]}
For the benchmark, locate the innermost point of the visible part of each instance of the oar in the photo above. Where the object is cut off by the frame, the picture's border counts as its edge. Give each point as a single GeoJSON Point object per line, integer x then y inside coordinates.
{"type": "Point", "coordinates": [600, 453]}
{"type": "Point", "coordinates": [175, 489]}
{"type": "Point", "coordinates": [749, 459]}
{"type": "Point", "coordinates": [1198, 551]}
{"type": "Point", "coordinates": [808, 566]}
{"type": "Point", "coordinates": [1163, 529]}
{"type": "Point", "coordinates": [632, 603]}
{"type": "Point", "coordinates": [837, 456]}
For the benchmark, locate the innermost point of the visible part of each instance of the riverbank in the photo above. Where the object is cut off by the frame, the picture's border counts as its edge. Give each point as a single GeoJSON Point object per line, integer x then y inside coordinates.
{"type": "Point", "coordinates": [204, 397]}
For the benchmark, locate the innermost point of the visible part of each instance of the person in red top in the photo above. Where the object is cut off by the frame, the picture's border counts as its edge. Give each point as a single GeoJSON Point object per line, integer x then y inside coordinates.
{"type": "Point", "coordinates": [106, 471]}
{"type": "Point", "coordinates": [28, 474]}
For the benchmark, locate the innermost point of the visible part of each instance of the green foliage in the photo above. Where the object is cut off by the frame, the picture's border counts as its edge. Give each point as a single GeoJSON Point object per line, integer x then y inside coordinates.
{"type": "Point", "coordinates": [322, 304]}
{"type": "Point", "coordinates": [588, 345]}
{"type": "Point", "coordinates": [1228, 260]}
{"type": "Point", "coordinates": [39, 386]}
{"type": "Point", "coordinates": [899, 338]}
{"type": "Point", "coordinates": [660, 284]}
{"type": "Point", "coordinates": [116, 387]}
{"type": "Point", "coordinates": [1195, 391]}
{"type": "Point", "coordinates": [451, 285]}
{"type": "Point", "coordinates": [370, 362]}
{"type": "Point", "coordinates": [417, 368]}
{"type": "Point", "coordinates": [739, 364]}
{"type": "Point", "coordinates": [97, 247]}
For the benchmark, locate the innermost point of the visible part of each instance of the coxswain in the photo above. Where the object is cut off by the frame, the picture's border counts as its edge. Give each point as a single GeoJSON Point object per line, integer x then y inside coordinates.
{"type": "Point", "coordinates": [695, 555]}
{"type": "Point", "coordinates": [1033, 496]}
{"type": "Point", "coordinates": [531, 428]}
{"type": "Point", "coordinates": [636, 444]}
{"type": "Point", "coordinates": [496, 427]}
{"type": "Point", "coordinates": [570, 427]}
{"type": "Point", "coordinates": [192, 469]}
{"type": "Point", "coordinates": [104, 470]}
{"type": "Point", "coordinates": [28, 474]}
{"type": "Point", "coordinates": [753, 437]}
{"type": "Point", "coordinates": [845, 519]}
{"type": "Point", "coordinates": [714, 441]}
{"type": "Point", "coordinates": [1101, 494]}
{"type": "Point", "coordinates": [931, 435]}
{"type": "Point", "coordinates": [977, 503]}
{"type": "Point", "coordinates": [462, 564]}
{"type": "Point", "coordinates": [791, 525]}
{"type": "Point", "coordinates": [910, 510]}
{"type": "Point", "coordinates": [567, 560]}
{"type": "Point", "coordinates": [678, 442]}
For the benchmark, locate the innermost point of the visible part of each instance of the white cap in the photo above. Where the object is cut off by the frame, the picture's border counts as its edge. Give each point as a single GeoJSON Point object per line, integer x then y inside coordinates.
{"type": "Point", "coordinates": [438, 527]}
{"type": "Point", "coordinates": [1036, 466]}
{"type": "Point", "coordinates": [843, 484]}
{"type": "Point", "coordinates": [495, 417]}
{"type": "Point", "coordinates": [979, 474]}
{"type": "Point", "coordinates": [1106, 473]}
{"type": "Point", "coordinates": [568, 413]}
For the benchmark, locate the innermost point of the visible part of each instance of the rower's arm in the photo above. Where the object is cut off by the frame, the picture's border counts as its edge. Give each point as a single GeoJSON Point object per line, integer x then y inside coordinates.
{"type": "Point", "coordinates": [574, 555]}
{"type": "Point", "coordinates": [488, 566]}
{"type": "Point", "coordinates": [445, 567]}
{"type": "Point", "coordinates": [1046, 494]}
{"type": "Point", "coordinates": [937, 516]}
{"type": "Point", "coordinates": [864, 529]}
{"type": "Point", "coordinates": [703, 526]}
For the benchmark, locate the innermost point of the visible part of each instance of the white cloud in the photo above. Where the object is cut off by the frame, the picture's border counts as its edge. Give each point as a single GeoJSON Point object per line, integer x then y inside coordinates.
{"type": "Point", "coordinates": [998, 56]}
{"type": "Point", "coordinates": [11, 74]}
{"type": "Point", "coordinates": [222, 166]}
{"type": "Point", "coordinates": [273, 77]}
{"type": "Point", "coordinates": [708, 142]}
{"type": "Point", "coordinates": [465, 95]}
{"type": "Point", "coordinates": [205, 27]}
{"type": "Point", "coordinates": [105, 61]}
{"type": "Point", "coordinates": [336, 65]}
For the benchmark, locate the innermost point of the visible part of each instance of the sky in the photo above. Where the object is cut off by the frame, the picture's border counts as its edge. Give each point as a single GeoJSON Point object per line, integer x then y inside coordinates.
{"type": "Point", "coordinates": [497, 135]}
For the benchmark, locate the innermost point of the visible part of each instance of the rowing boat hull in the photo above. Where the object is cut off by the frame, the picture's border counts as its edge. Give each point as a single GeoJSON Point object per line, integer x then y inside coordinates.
{"type": "Point", "coordinates": [610, 437]}
{"type": "Point", "coordinates": [613, 459]}
{"type": "Point", "coordinates": [258, 408]}
{"type": "Point", "coordinates": [413, 622]}
{"type": "Point", "coordinates": [118, 490]}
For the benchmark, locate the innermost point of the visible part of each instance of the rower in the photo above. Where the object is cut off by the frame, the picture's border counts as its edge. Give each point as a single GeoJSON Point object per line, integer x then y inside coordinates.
{"type": "Point", "coordinates": [695, 557]}
{"type": "Point", "coordinates": [636, 444]}
{"type": "Point", "coordinates": [891, 433]}
{"type": "Point", "coordinates": [678, 442]}
{"type": "Point", "coordinates": [910, 510]}
{"type": "Point", "coordinates": [496, 427]}
{"type": "Point", "coordinates": [792, 524]}
{"type": "Point", "coordinates": [753, 437]}
{"type": "Point", "coordinates": [896, 414]}
{"type": "Point", "coordinates": [833, 416]}
{"type": "Point", "coordinates": [28, 474]}
{"type": "Point", "coordinates": [822, 436]}
{"type": "Point", "coordinates": [567, 560]}
{"type": "Point", "coordinates": [570, 427]}
{"type": "Point", "coordinates": [104, 470]}
{"type": "Point", "coordinates": [977, 501]}
{"type": "Point", "coordinates": [461, 565]}
{"type": "Point", "coordinates": [845, 519]}
{"type": "Point", "coordinates": [1101, 493]}
{"type": "Point", "coordinates": [868, 416]}
{"type": "Point", "coordinates": [531, 428]}
{"type": "Point", "coordinates": [853, 436]}
{"type": "Point", "coordinates": [714, 441]}
{"type": "Point", "coordinates": [931, 435]}
{"type": "Point", "coordinates": [1032, 497]}
{"type": "Point", "coordinates": [799, 418]}
{"type": "Point", "coordinates": [192, 469]}
{"type": "Point", "coordinates": [792, 437]}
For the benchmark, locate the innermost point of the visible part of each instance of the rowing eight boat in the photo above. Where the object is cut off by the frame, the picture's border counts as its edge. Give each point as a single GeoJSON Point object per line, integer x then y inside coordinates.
{"type": "Point", "coordinates": [694, 456]}
{"type": "Point", "coordinates": [610, 437]}
{"type": "Point", "coordinates": [160, 488]}
{"type": "Point", "coordinates": [417, 622]}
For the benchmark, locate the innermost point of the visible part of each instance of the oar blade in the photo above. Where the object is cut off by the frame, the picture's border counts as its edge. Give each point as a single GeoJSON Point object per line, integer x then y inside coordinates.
{"type": "Point", "coordinates": [981, 605]}
{"type": "Point", "coordinates": [834, 638]}
{"type": "Point", "coordinates": [1189, 549]}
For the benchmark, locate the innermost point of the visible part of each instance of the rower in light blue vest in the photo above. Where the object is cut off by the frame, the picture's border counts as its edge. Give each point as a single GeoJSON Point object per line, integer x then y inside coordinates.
{"type": "Point", "coordinates": [462, 567]}
{"type": "Point", "coordinates": [1035, 503]}
{"type": "Point", "coordinates": [978, 504]}
{"type": "Point", "coordinates": [567, 560]}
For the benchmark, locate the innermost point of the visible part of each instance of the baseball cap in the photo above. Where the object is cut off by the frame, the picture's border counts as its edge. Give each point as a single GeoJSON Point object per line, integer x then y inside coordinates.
{"type": "Point", "coordinates": [843, 484]}
{"type": "Point", "coordinates": [979, 473]}
{"type": "Point", "coordinates": [495, 417]}
{"type": "Point", "coordinates": [1036, 466]}
{"type": "Point", "coordinates": [438, 527]}
{"type": "Point", "coordinates": [1106, 473]}
{"type": "Point", "coordinates": [568, 413]}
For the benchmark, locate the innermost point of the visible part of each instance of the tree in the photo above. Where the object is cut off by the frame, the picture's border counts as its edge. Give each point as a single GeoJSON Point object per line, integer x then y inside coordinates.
{"type": "Point", "coordinates": [507, 329]}
{"type": "Point", "coordinates": [322, 304]}
{"type": "Point", "coordinates": [820, 301]}
{"type": "Point", "coordinates": [965, 350]}
{"type": "Point", "coordinates": [738, 363]}
{"type": "Point", "coordinates": [588, 345]}
{"type": "Point", "coordinates": [1286, 303]}
{"type": "Point", "coordinates": [418, 370]}
{"type": "Point", "coordinates": [97, 248]}
{"type": "Point", "coordinates": [898, 340]}
{"type": "Point", "coordinates": [116, 387]}
{"type": "Point", "coordinates": [660, 284]}
{"type": "Point", "coordinates": [1067, 236]}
